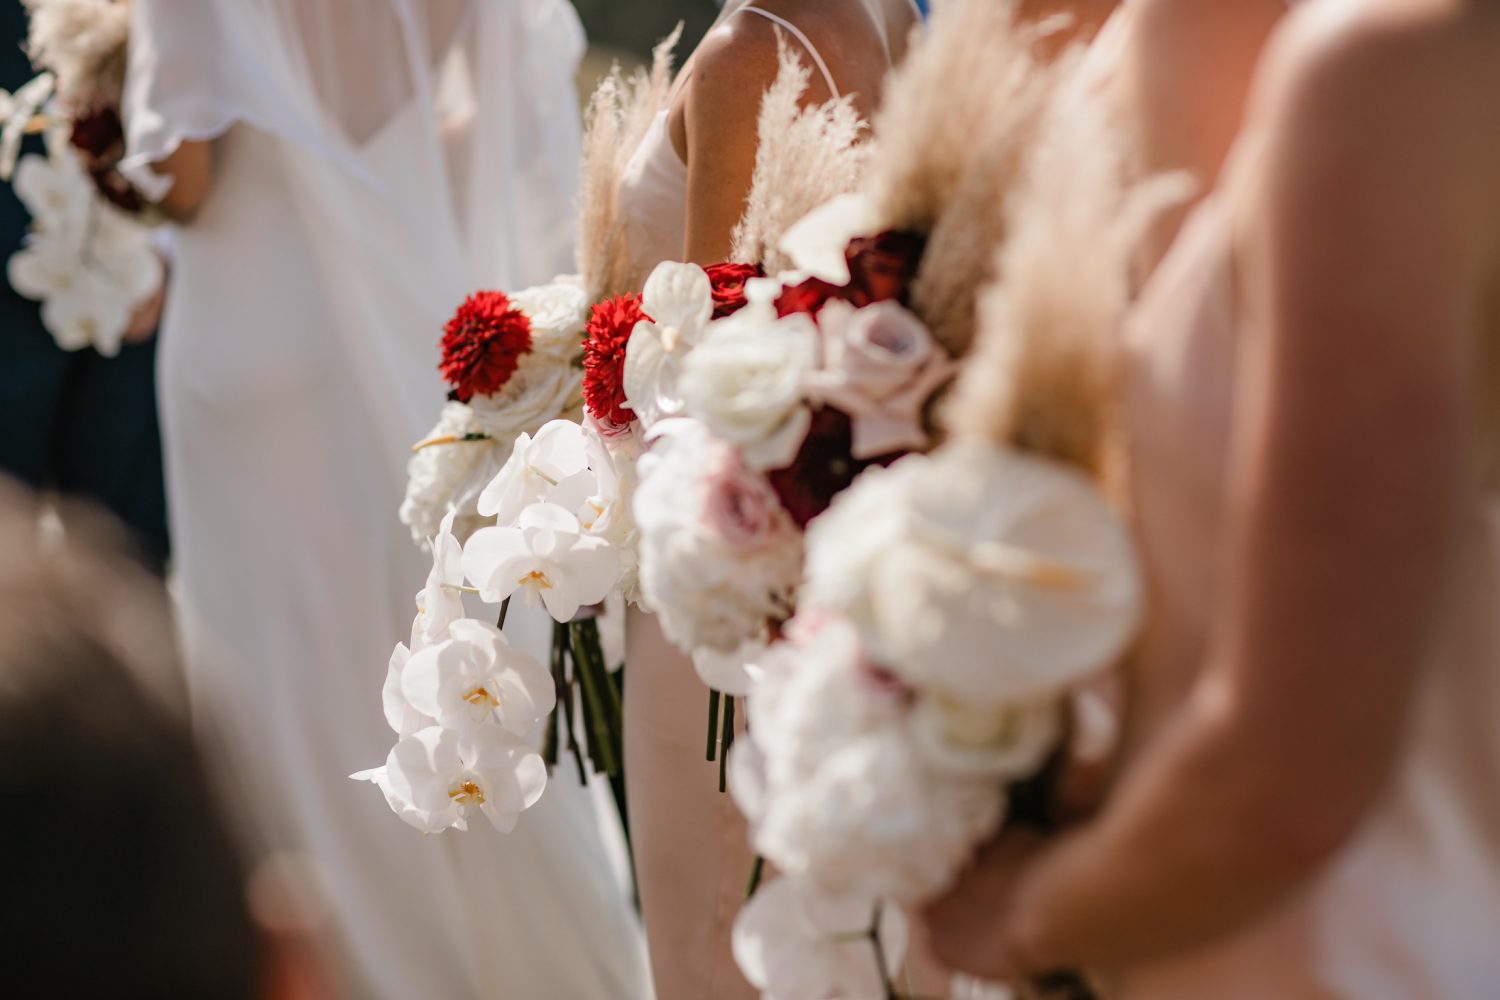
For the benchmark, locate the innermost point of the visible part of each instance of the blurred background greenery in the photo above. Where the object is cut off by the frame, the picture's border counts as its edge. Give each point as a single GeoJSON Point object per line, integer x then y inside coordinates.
{"type": "Point", "coordinates": [633, 26]}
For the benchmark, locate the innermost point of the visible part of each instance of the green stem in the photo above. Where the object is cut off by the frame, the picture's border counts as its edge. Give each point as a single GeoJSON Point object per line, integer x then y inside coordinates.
{"type": "Point", "coordinates": [757, 872]}
{"type": "Point", "coordinates": [504, 610]}
{"type": "Point", "coordinates": [713, 722]}
{"type": "Point", "coordinates": [885, 976]}
{"type": "Point", "coordinates": [565, 700]}
{"type": "Point", "coordinates": [727, 741]}
{"type": "Point", "coordinates": [600, 698]}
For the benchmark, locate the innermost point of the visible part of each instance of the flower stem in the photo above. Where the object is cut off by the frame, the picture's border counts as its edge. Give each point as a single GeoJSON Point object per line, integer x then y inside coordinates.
{"type": "Point", "coordinates": [727, 740]}
{"type": "Point", "coordinates": [600, 700]}
{"type": "Point", "coordinates": [757, 871]}
{"type": "Point", "coordinates": [885, 976]}
{"type": "Point", "coordinates": [560, 645]}
{"type": "Point", "coordinates": [713, 722]}
{"type": "Point", "coordinates": [504, 611]}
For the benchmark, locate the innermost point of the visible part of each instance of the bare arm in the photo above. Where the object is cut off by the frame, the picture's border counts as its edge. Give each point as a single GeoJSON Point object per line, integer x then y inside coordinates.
{"type": "Point", "coordinates": [1188, 71]}
{"type": "Point", "coordinates": [191, 168]}
{"type": "Point", "coordinates": [1349, 466]}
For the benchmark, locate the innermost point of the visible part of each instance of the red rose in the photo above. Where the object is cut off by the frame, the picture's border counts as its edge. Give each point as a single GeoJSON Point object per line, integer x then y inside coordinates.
{"type": "Point", "coordinates": [482, 345]}
{"type": "Point", "coordinates": [824, 467]}
{"type": "Point", "coordinates": [882, 267]}
{"type": "Point", "coordinates": [99, 136]}
{"type": "Point", "coordinates": [809, 297]}
{"type": "Point", "coordinates": [609, 329]}
{"type": "Point", "coordinates": [728, 281]}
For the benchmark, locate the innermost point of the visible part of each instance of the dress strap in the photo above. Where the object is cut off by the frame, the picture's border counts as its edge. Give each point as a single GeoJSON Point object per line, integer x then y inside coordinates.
{"type": "Point", "coordinates": [807, 44]}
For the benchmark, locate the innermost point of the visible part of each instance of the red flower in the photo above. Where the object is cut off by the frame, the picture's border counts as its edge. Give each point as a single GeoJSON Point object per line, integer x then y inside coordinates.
{"type": "Point", "coordinates": [728, 281]}
{"type": "Point", "coordinates": [482, 345]}
{"type": "Point", "coordinates": [881, 267]}
{"type": "Point", "coordinates": [824, 467]}
{"type": "Point", "coordinates": [99, 136]}
{"type": "Point", "coordinates": [809, 297]}
{"type": "Point", "coordinates": [610, 325]}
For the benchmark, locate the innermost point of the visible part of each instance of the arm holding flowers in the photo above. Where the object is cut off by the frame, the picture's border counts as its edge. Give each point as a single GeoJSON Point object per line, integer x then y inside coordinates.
{"type": "Point", "coordinates": [190, 166]}
{"type": "Point", "coordinates": [1338, 548]}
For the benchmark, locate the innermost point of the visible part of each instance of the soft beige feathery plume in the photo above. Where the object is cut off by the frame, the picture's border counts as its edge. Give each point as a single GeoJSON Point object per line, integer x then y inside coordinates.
{"type": "Point", "coordinates": [83, 43]}
{"type": "Point", "coordinates": [1042, 374]}
{"type": "Point", "coordinates": [804, 158]}
{"type": "Point", "coordinates": [618, 116]}
{"type": "Point", "coordinates": [956, 119]}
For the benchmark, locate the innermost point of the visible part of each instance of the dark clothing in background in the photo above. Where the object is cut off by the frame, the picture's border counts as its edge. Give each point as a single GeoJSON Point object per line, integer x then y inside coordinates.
{"type": "Point", "coordinates": [75, 422]}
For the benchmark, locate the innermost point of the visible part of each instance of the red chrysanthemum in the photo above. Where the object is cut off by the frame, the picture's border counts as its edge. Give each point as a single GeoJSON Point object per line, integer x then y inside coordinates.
{"type": "Point", "coordinates": [609, 329]}
{"type": "Point", "coordinates": [482, 345]}
{"type": "Point", "coordinates": [728, 281]}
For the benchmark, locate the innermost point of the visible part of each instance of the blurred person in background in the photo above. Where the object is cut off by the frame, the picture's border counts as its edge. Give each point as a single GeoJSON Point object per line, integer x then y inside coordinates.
{"type": "Point", "coordinates": [122, 878]}
{"type": "Point", "coordinates": [343, 173]}
{"type": "Point", "coordinates": [75, 421]}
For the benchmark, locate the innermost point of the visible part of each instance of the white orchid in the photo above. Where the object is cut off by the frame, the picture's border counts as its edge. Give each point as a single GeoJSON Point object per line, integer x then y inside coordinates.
{"type": "Point", "coordinates": [678, 298]}
{"type": "Point", "coordinates": [817, 243]}
{"type": "Point", "coordinates": [475, 676]}
{"type": "Point", "coordinates": [440, 603]}
{"type": "Point", "coordinates": [547, 556]}
{"type": "Point", "coordinates": [793, 941]}
{"type": "Point", "coordinates": [436, 780]}
{"type": "Point", "coordinates": [57, 192]}
{"type": "Point", "coordinates": [745, 383]}
{"type": "Point", "coordinates": [983, 573]}
{"type": "Point", "coordinates": [403, 717]}
{"type": "Point", "coordinates": [552, 467]}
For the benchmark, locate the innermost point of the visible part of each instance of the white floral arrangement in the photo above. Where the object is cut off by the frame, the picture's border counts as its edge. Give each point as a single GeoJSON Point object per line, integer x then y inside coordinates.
{"type": "Point", "coordinates": [90, 258]}
{"type": "Point", "coordinates": [90, 264]}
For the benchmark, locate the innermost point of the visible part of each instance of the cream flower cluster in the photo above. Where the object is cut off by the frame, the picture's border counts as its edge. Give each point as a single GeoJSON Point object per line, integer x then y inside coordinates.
{"type": "Point", "coordinates": [726, 402]}
{"type": "Point", "coordinates": [952, 605]}
{"type": "Point", "coordinates": [472, 441]}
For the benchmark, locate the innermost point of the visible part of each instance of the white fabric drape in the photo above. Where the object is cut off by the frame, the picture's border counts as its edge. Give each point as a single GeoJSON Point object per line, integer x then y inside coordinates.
{"type": "Point", "coordinates": [374, 161]}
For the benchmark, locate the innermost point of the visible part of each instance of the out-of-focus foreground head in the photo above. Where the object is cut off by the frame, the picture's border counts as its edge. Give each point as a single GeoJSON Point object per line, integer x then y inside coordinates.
{"type": "Point", "coordinates": [120, 875]}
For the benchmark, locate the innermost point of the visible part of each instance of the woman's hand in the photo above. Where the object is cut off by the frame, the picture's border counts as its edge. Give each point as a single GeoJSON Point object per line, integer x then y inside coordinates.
{"type": "Point", "coordinates": [966, 929]}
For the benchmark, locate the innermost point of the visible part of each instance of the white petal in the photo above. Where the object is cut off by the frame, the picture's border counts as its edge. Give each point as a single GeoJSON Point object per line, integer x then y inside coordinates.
{"type": "Point", "coordinates": [679, 296]}
{"type": "Point", "coordinates": [817, 242]}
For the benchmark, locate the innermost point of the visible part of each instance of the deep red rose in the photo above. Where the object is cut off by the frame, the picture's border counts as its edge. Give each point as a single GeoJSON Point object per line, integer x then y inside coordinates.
{"type": "Point", "coordinates": [809, 297]}
{"type": "Point", "coordinates": [728, 281]}
{"type": "Point", "coordinates": [824, 467]}
{"type": "Point", "coordinates": [99, 136]}
{"type": "Point", "coordinates": [609, 328]}
{"type": "Point", "coordinates": [882, 267]}
{"type": "Point", "coordinates": [482, 345]}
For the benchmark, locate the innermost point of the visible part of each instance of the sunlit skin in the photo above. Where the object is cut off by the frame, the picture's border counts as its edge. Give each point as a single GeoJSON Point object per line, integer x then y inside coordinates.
{"type": "Point", "coordinates": [1368, 239]}
{"type": "Point", "coordinates": [1185, 82]}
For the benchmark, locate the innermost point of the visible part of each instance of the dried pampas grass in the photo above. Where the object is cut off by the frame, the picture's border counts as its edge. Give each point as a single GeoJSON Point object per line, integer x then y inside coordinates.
{"type": "Point", "coordinates": [949, 153]}
{"type": "Point", "coordinates": [82, 42]}
{"type": "Point", "coordinates": [618, 116]}
{"type": "Point", "coordinates": [804, 158]}
{"type": "Point", "coordinates": [1042, 376]}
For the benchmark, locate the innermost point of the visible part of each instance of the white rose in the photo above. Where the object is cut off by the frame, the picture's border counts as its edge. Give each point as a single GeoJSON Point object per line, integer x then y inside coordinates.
{"type": "Point", "coordinates": [558, 313]}
{"type": "Point", "coordinates": [746, 386]}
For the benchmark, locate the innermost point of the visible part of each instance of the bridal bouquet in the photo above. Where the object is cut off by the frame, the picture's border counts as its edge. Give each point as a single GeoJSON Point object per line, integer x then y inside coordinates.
{"type": "Point", "coordinates": [519, 494]}
{"type": "Point", "coordinates": [89, 259]}
{"type": "Point", "coordinates": [954, 604]}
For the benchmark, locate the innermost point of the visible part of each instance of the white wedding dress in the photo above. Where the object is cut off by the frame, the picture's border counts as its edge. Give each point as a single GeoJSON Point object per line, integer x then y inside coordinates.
{"type": "Point", "coordinates": [374, 160]}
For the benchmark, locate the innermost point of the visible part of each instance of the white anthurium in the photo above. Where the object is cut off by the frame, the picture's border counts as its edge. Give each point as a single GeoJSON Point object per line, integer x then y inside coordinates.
{"type": "Point", "coordinates": [794, 941]}
{"type": "Point", "coordinates": [474, 677]}
{"type": "Point", "coordinates": [440, 603]}
{"type": "Point", "coordinates": [745, 383]}
{"type": "Point", "coordinates": [436, 780]}
{"type": "Point", "coordinates": [678, 298]}
{"type": "Point", "coordinates": [966, 738]}
{"type": "Point", "coordinates": [403, 717]}
{"type": "Point", "coordinates": [547, 557]}
{"type": "Point", "coordinates": [817, 242]}
{"type": "Point", "coordinates": [988, 574]}
{"type": "Point", "coordinates": [552, 466]}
